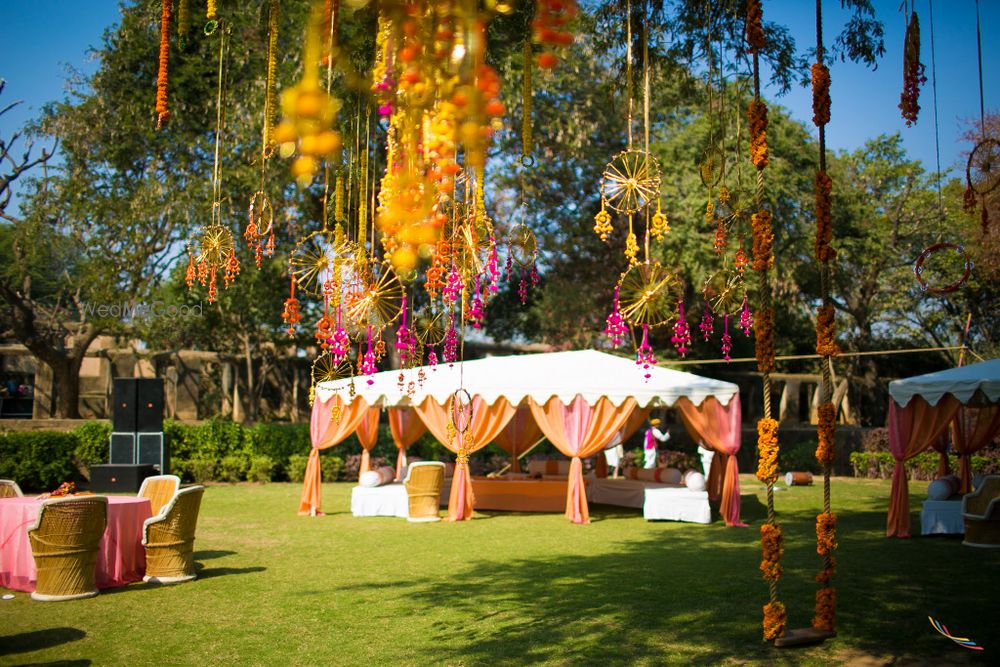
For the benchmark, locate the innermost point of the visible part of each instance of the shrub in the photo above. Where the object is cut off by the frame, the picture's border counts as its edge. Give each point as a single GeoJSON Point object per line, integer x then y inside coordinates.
{"type": "Point", "coordinates": [799, 457]}
{"type": "Point", "coordinates": [880, 465]}
{"type": "Point", "coordinates": [232, 468]}
{"type": "Point", "coordinates": [330, 467]}
{"type": "Point", "coordinates": [92, 442]}
{"type": "Point", "coordinates": [875, 440]}
{"type": "Point", "coordinates": [200, 469]}
{"type": "Point", "coordinates": [38, 460]}
{"type": "Point", "coordinates": [261, 469]}
{"type": "Point", "coordinates": [296, 468]}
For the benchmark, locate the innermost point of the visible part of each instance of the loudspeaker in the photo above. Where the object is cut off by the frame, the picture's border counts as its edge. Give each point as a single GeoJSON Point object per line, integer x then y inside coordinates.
{"type": "Point", "coordinates": [149, 405]}
{"type": "Point", "coordinates": [150, 449]}
{"type": "Point", "coordinates": [123, 412]}
{"type": "Point", "coordinates": [119, 478]}
{"type": "Point", "coordinates": [122, 448]}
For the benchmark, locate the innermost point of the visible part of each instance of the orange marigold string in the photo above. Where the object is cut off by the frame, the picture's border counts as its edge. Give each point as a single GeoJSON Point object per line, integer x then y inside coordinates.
{"type": "Point", "coordinates": [755, 25]}
{"type": "Point", "coordinates": [757, 120]}
{"type": "Point", "coordinates": [764, 341]}
{"type": "Point", "coordinates": [825, 332]}
{"type": "Point", "coordinates": [824, 218]}
{"type": "Point", "coordinates": [162, 111]}
{"type": "Point", "coordinates": [775, 620]}
{"type": "Point", "coordinates": [767, 446]}
{"type": "Point", "coordinates": [763, 240]}
{"type": "Point", "coordinates": [826, 574]}
{"type": "Point", "coordinates": [826, 533]}
{"type": "Point", "coordinates": [826, 450]}
{"type": "Point", "coordinates": [826, 604]}
{"type": "Point", "coordinates": [772, 548]}
{"type": "Point", "coordinates": [821, 94]}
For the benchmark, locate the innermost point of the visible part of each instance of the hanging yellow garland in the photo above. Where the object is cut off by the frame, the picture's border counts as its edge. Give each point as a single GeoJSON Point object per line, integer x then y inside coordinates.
{"type": "Point", "coordinates": [162, 110]}
{"type": "Point", "coordinates": [764, 340]}
{"type": "Point", "coordinates": [757, 120]}
{"type": "Point", "coordinates": [825, 450]}
{"type": "Point", "coordinates": [775, 620]}
{"type": "Point", "coordinates": [826, 605]}
{"type": "Point", "coordinates": [824, 217]}
{"type": "Point", "coordinates": [821, 94]}
{"type": "Point", "coordinates": [767, 446]}
{"type": "Point", "coordinates": [763, 240]}
{"type": "Point", "coordinates": [772, 548]}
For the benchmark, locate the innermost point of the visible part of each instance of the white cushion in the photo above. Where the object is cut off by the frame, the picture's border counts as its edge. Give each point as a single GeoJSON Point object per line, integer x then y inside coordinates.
{"type": "Point", "coordinates": [377, 477]}
{"type": "Point", "coordinates": [694, 480]}
{"type": "Point", "coordinates": [670, 476]}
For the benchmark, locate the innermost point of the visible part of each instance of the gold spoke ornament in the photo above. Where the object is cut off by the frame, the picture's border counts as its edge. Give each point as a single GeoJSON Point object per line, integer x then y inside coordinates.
{"type": "Point", "coordinates": [630, 181]}
{"type": "Point", "coordinates": [647, 293]}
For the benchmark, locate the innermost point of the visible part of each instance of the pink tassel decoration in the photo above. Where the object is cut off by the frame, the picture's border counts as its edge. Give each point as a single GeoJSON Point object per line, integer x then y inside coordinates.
{"type": "Point", "coordinates": [368, 366]}
{"type": "Point", "coordinates": [746, 319]}
{"type": "Point", "coordinates": [682, 334]}
{"type": "Point", "coordinates": [727, 341]}
{"type": "Point", "coordinates": [615, 328]}
{"type": "Point", "coordinates": [707, 325]}
{"type": "Point", "coordinates": [644, 355]}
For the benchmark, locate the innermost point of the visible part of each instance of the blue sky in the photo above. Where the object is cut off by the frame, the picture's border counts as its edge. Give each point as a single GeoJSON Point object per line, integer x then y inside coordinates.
{"type": "Point", "coordinates": [42, 37]}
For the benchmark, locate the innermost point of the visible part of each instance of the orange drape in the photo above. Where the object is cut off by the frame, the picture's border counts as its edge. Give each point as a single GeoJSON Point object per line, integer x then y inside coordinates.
{"type": "Point", "coordinates": [406, 428]}
{"type": "Point", "coordinates": [973, 429]}
{"type": "Point", "coordinates": [912, 430]}
{"type": "Point", "coordinates": [520, 433]}
{"type": "Point", "coordinates": [580, 430]}
{"type": "Point", "coordinates": [367, 433]}
{"type": "Point", "coordinates": [326, 431]}
{"type": "Point", "coordinates": [718, 427]}
{"type": "Point", "coordinates": [632, 424]}
{"type": "Point", "coordinates": [487, 422]}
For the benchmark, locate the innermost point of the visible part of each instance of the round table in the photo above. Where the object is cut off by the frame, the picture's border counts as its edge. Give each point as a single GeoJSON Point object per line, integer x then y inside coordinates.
{"type": "Point", "coordinates": [121, 557]}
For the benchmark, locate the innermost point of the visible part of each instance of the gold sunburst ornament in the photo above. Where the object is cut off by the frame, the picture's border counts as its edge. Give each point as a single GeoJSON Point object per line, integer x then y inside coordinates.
{"type": "Point", "coordinates": [318, 258]}
{"type": "Point", "coordinates": [646, 294]}
{"type": "Point", "coordinates": [377, 302]}
{"type": "Point", "coordinates": [325, 369]}
{"type": "Point", "coordinates": [630, 181]}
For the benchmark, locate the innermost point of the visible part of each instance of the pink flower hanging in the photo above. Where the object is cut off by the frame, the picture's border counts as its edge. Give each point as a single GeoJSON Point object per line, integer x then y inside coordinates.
{"type": "Point", "coordinates": [644, 354]}
{"type": "Point", "coordinates": [493, 266]}
{"type": "Point", "coordinates": [453, 290]}
{"type": "Point", "coordinates": [340, 342]}
{"type": "Point", "coordinates": [727, 341]}
{"type": "Point", "coordinates": [368, 366]}
{"type": "Point", "coordinates": [403, 335]}
{"type": "Point", "coordinates": [707, 325]}
{"type": "Point", "coordinates": [522, 288]}
{"type": "Point", "coordinates": [615, 328]}
{"type": "Point", "coordinates": [476, 314]}
{"type": "Point", "coordinates": [450, 351]}
{"type": "Point", "coordinates": [746, 318]}
{"type": "Point", "coordinates": [682, 334]}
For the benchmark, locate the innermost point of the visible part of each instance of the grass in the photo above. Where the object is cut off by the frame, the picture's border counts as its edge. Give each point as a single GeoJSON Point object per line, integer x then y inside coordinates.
{"type": "Point", "coordinates": [514, 589]}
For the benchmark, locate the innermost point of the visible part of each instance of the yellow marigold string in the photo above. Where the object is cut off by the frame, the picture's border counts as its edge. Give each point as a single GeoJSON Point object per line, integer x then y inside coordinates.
{"type": "Point", "coordinates": [821, 94]}
{"type": "Point", "coordinates": [162, 111]}
{"type": "Point", "coordinates": [764, 340]}
{"type": "Point", "coordinates": [826, 574]}
{"type": "Point", "coordinates": [826, 332]}
{"type": "Point", "coordinates": [212, 10]}
{"type": "Point", "coordinates": [710, 213]}
{"type": "Point", "coordinates": [775, 620]}
{"type": "Point", "coordinates": [826, 604]}
{"type": "Point", "coordinates": [824, 219]}
{"type": "Point", "coordinates": [767, 446]}
{"type": "Point", "coordinates": [271, 90]}
{"type": "Point", "coordinates": [772, 548]}
{"type": "Point", "coordinates": [826, 450]}
{"type": "Point", "coordinates": [826, 533]}
{"type": "Point", "coordinates": [183, 19]}
{"type": "Point", "coordinates": [763, 240]}
{"type": "Point", "coordinates": [757, 119]}
{"type": "Point", "coordinates": [755, 25]}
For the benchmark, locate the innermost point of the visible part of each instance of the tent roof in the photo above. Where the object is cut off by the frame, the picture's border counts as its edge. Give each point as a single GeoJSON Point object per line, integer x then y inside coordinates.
{"type": "Point", "coordinates": [962, 383]}
{"type": "Point", "coordinates": [588, 373]}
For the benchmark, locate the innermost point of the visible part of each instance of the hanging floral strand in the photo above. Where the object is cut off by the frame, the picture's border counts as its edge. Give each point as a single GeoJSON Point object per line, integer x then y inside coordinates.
{"type": "Point", "coordinates": [162, 110]}
{"type": "Point", "coordinates": [775, 617]}
{"type": "Point", "coordinates": [913, 72]}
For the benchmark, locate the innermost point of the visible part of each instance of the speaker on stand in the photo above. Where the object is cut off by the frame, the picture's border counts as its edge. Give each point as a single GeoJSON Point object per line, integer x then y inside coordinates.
{"type": "Point", "coordinates": [137, 424]}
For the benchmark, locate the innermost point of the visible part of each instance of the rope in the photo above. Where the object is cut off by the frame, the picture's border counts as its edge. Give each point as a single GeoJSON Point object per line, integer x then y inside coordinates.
{"type": "Point", "coordinates": [937, 133]}
{"type": "Point", "coordinates": [216, 169]}
{"type": "Point", "coordinates": [979, 53]}
{"type": "Point", "coordinates": [628, 66]}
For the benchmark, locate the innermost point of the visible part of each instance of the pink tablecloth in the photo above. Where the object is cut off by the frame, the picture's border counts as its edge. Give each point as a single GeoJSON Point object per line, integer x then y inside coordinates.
{"type": "Point", "coordinates": [121, 558]}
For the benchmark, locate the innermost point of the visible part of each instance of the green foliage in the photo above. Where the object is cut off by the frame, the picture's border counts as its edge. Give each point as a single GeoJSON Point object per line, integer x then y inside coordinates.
{"type": "Point", "coordinates": [232, 468]}
{"type": "Point", "coordinates": [330, 467]}
{"type": "Point", "coordinates": [800, 457]}
{"type": "Point", "coordinates": [880, 465]}
{"type": "Point", "coordinates": [199, 469]}
{"type": "Point", "coordinates": [296, 467]}
{"type": "Point", "coordinates": [261, 469]}
{"type": "Point", "coordinates": [93, 439]}
{"type": "Point", "coordinates": [38, 460]}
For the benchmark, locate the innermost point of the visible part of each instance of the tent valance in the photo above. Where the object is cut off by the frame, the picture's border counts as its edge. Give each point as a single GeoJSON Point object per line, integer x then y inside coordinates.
{"type": "Point", "coordinates": [563, 375]}
{"type": "Point", "coordinates": [963, 383]}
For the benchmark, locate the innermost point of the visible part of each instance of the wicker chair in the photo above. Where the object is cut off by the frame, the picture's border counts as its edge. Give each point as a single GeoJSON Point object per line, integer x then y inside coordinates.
{"type": "Point", "coordinates": [423, 488]}
{"type": "Point", "coordinates": [981, 511]}
{"type": "Point", "coordinates": [169, 538]}
{"type": "Point", "coordinates": [9, 489]}
{"type": "Point", "coordinates": [65, 541]}
{"type": "Point", "coordinates": [160, 489]}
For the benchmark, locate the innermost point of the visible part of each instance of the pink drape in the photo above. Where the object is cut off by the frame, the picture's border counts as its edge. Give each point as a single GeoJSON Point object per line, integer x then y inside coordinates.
{"type": "Point", "coordinates": [326, 430]}
{"type": "Point", "coordinates": [972, 429]}
{"type": "Point", "coordinates": [718, 427]}
{"type": "Point", "coordinates": [406, 428]}
{"type": "Point", "coordinates": [580, 430]}
{"type": "Point", "coordinates": [367, 433]}
{"type": "Point", "coordinates": [912, 430]}
{"type": "Point", "coordinates": [520, 433]}
{"type": "Point", "coordinates": [487, 422]}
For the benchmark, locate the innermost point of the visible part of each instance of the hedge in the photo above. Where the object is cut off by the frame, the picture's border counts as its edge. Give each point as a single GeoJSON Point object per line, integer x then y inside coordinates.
{"type": "Point", "coordinates": [879, 465]}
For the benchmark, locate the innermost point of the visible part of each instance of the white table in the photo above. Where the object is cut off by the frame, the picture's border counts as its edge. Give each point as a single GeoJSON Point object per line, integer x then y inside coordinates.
{"type": "Point", "coordinates": [386, 500]}
{"type": "Point", "coordinates": [942, 517]}
{"type": "Point", "coordinates": [676, 503]}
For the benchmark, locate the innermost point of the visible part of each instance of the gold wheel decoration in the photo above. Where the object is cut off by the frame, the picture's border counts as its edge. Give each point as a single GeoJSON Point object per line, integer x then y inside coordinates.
{"type": "Point", "coordinates": [314, 260]}
{"type": "Point", "coordinates": [430, 328]}
{"type": "Point", "coordinates": [215, 246]}
{"type": "Point", "coordinates": [724, 291]}
{"type": "Point", "coordinates": [376, 301]}
{"type": "Point", "coordinates": [630, 181]}
{"type": "Point", "coordinates": [647, 293]}
{"type": "Point", "coordinates": [712, 166]}
{"type": "Point", "coordinates": [324, 369]}
{"type": "Point", "coordinates": [522, 245]}
{"type": "Point", "coordinates": [461, 410]}
{"type": "Point", "coordinates": [982, 171]}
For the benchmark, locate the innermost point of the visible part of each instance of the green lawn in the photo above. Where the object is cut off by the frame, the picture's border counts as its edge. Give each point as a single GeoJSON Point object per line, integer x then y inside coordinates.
{"type": "Point", "coordinates": [508, 589]}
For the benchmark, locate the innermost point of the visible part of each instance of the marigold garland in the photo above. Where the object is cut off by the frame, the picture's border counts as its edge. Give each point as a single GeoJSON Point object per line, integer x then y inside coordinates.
{"type": "Point", "coordinates": [913, 72]}
{"type": "Point", "coordinates": [767, 446]}
{"type": "Point", "coordinates": [212, 10]}
{"type": "Point", "coordinates": [826, 604]}
{"type": "Point", "coordinates": [826, 533]}
{"type": "Point", "coordinates": [271, 89]}
{"type": "Point", "coordinates": [772, 548]}
{"type": "Point", "coordinates": [821, 93]}
{"type": "Point", "coordinates": [757, 119]}
{"type": "Point", "coordinates": [826, 450]}
{"type": "Point", "coordinates": [763, 240]}
{"type": "Point", "coordinates": [162, 110]}
{"type": "Point", "coordinates": [825, 332]}
{"type": "Point", "coordinates": [826, 574]}
{"type": "Point", "coordinates": [755, 25]}
{"type": "Point", "coordinates": [775, 620]}
{"type": "Point", "coordinates": [824, 218]}
{"type": "Point", "coordinates": [183, 20]}
{"type": "Point", "coordinates": [764, 341]}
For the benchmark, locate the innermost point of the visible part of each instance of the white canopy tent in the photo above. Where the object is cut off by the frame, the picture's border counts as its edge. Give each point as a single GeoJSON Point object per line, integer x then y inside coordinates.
{"type": "Point", "coordinates": [963, 383]}
{"type": "Point", "coordinates": [577, 399]}
{"type": "Point", "coordinates": [564, 375]}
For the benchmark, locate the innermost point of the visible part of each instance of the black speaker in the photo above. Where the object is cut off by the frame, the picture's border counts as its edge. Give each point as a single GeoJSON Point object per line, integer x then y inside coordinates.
{"type": "Point", "coordinates": [149, 405]}
{"type": "Point", "coordinates": [119, 478]}
{"type": "Point", "coordinates": [122, 448]}
{"type": "Point", "coordinates": [123, 414]}
{"type": "Point", "coordinates": [150, 449]}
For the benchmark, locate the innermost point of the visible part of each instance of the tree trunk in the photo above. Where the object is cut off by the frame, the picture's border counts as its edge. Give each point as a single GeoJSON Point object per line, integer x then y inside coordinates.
{"type": "Point", "coordinates": [251, 394]}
